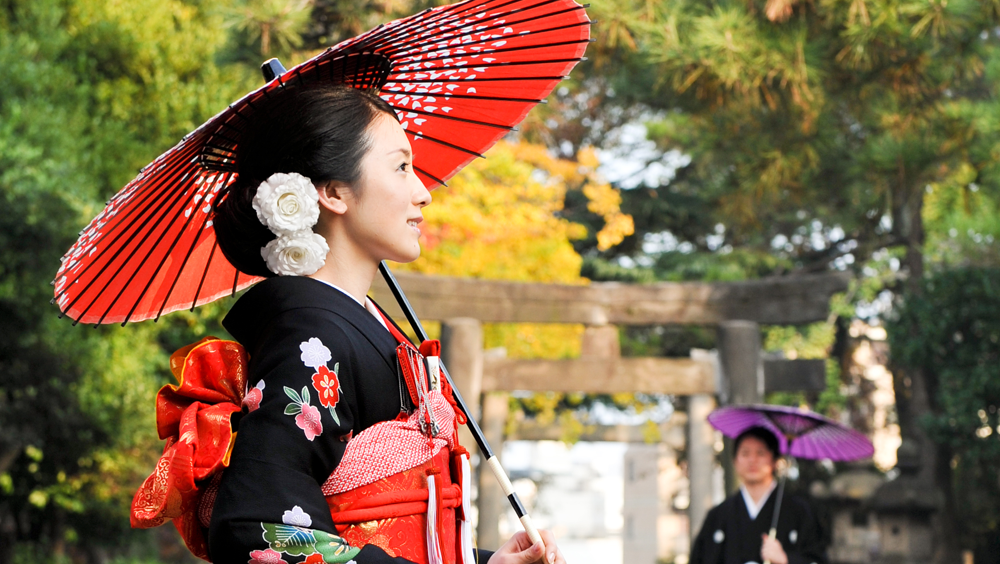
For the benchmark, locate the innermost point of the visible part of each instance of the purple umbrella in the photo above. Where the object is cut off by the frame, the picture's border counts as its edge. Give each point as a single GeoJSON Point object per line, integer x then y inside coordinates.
{"type": "Point", "coordinates": [801, 433]}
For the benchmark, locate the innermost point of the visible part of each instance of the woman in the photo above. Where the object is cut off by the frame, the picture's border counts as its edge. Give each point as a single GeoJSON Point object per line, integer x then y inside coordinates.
{"type": "Point", "coordinates": [325, 192]}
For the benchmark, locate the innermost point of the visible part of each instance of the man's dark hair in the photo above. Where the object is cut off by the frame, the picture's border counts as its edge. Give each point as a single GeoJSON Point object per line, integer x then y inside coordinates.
{"type": "Point", "coordinates": [763, 435]}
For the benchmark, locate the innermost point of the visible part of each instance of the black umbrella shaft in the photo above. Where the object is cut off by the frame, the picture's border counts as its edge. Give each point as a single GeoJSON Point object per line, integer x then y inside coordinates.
{"type": "Point", "coordinates": [418, 328]}
{"type": "Point", "coordinates": [777, 511]}
{"type": "Point", "coordinates": [477, 433]}
{"type": "Point", "coordinates": [777, 507]}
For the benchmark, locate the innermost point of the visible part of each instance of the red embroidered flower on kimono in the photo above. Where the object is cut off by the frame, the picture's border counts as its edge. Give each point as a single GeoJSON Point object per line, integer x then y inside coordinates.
{"type": "Point", "coordinates": [309, 421]}
{"type": "Point", "coordinates": [314, 558]}
{"type": "Point", "coordinates": [315, 355]}
{"type": "Point", "coordinates": [326, 384]}
{"type": "Point", "coordinates": [265, 557]}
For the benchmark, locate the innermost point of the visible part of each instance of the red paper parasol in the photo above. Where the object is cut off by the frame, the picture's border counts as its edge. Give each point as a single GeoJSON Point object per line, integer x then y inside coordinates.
{"type": "Point", "coordinates": [460, 77]}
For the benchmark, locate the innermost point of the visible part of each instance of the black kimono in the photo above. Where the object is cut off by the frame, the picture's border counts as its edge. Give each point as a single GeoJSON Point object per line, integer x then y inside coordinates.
{"type": "Point", "coordinates": [730, 536]}
{"type": "Point", "coordinates": [323, 369]}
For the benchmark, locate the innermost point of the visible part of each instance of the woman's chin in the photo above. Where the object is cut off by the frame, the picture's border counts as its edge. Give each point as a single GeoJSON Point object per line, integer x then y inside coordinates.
{"type": "Point", "coordinates": [405, 257]}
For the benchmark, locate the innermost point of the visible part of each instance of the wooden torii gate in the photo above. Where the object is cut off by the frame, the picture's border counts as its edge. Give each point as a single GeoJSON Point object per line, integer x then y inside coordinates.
{"type": "Point", "coordinates": [740, 375]}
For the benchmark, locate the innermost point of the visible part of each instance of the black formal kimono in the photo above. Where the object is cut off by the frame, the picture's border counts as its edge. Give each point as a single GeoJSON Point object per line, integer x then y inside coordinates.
{"type": "Point", "coordinates": [730, 536]}
{"type": "Point", "coordinates": [322, 369]}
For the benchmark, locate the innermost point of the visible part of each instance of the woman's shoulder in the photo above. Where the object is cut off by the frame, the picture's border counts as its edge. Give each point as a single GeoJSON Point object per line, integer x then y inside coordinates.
{"type": "Point", "coordinates": [291, 305]}
{"type": "Point", "coordinates": [282, 293]}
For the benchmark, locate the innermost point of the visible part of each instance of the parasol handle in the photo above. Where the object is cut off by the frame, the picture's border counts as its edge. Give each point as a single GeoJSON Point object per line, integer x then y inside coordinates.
{"type": "Point", "coordinates": [777, 510]}
{"type": "Point", "coordinates": [477, 433]}
{"type": "Point", "coordinates": [771, 535]}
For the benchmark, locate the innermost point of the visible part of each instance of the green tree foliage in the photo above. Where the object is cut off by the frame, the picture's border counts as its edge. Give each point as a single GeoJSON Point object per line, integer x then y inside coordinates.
{"type": "Point", "coordinates": [89, 92]}
{"type": "Point", "coordinates": [332, 21]}
{"type": "Point", "coordinates": [854, 134]}
{"type": "Point", "coordinates": [272, 26]}
{"type": "Point", "coordinates": [951, 329]}
{"type": "Point", "coordinates": [814, 136]}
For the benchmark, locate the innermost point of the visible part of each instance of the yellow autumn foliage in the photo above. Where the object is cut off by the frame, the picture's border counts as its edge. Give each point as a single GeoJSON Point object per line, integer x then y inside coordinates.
{"type": "Point", "coordinates": [499, 219]}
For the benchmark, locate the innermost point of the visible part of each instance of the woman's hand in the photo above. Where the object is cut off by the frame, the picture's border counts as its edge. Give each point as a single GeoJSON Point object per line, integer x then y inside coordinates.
{"type": "Point", "coordinates": [520, 550]}
{"type": "Point", "coordinates": [771, 551]}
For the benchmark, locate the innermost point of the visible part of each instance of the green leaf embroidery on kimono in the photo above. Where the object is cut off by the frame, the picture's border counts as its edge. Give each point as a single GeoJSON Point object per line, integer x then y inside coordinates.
{"type": "Point", "coordinates": [334, 549]}
{"type": "Point", "coordinates": [292, 540]}
{"type": "Point", "coordinates": [295, 407]}
{"type": "Point", "coordinates": [293, 394]}
{"type": "Point", "coordinates": [299, 541]}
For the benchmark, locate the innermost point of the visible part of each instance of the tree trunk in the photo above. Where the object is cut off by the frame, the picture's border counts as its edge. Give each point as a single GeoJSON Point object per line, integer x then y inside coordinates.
{"type": "Point", "coordinates": [921, 460]}
{"type": "Point", "coordinates": [8, 533]}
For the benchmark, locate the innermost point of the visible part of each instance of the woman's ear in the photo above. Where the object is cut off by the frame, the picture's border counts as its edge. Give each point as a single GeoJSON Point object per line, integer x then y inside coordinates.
{"type": "Point", "coordinates": [333, 196]}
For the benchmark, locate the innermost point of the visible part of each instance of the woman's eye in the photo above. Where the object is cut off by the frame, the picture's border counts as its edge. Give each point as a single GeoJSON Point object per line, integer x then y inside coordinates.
{"type": "Point", "coordinates": [404, 167]}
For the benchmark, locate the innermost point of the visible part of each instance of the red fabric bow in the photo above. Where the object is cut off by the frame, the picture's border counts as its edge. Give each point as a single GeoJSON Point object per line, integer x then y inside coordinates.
{"type": "Point", "coordinates": [193, 417]}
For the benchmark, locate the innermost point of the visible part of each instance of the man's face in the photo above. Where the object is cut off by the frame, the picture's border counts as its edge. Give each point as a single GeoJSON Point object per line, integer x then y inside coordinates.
{"type": "Point", "coordinates": [754, 463]}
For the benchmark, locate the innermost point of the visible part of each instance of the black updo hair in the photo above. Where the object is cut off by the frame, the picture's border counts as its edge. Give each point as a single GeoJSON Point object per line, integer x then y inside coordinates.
{"type": "Point", "coordinates": [321, 133]}
{"type": "Point", "coordinates": [763, 435]}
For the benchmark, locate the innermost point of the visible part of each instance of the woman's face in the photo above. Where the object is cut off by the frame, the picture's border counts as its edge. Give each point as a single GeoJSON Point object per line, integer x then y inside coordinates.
{"type": "Point", "coordinates": [386, 214]}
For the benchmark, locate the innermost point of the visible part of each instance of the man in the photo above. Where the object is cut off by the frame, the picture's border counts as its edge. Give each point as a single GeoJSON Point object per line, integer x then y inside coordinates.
{"type": "Point", "coordinates": [736, 530]}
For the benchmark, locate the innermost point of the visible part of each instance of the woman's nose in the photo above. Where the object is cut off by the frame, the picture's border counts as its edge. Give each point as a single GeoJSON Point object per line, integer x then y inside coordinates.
{"type": "Point", "coordinates": [422, 196]}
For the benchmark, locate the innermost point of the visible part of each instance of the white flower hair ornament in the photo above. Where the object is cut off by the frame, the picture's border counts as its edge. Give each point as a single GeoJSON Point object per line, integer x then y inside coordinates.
{"type": "Point", "coordinates": [288, 205]}
{"type": "Point", "coordinates": [298, 254]}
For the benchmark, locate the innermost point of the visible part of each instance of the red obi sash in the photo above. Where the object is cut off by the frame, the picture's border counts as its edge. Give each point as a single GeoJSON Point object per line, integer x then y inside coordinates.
{"type": "Point", "coordinates": [417, 514]}
{"type": "Point", "coordinates": [193, 417]}
{"type": "Point", "coordinates": [402, 485]}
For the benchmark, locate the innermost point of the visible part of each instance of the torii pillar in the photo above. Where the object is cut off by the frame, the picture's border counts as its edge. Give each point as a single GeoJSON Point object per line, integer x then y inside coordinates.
{"type": "Point", "coordinates": [462, 353]}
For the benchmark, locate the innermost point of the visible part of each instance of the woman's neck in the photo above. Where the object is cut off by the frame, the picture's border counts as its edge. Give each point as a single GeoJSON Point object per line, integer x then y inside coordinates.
{"type": "Point", "coordinates": [352, 274]}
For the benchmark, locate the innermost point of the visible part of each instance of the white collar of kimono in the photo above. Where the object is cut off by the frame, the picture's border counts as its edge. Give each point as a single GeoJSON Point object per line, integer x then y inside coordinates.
{"type": "Point", "coordinates": [368, 305]}
{"type": "Point", "coordinates": [754, 508]}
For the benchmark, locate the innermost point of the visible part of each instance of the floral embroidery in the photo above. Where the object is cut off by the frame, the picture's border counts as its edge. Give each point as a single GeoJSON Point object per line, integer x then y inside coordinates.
{"type": "Point", "coordinates": [254, 395]}
{"type": "Point", "coordinates": [297, 517]}
{"type": "Point", "coordinates": [314, 353]}
{"type": "Point", "coordinates": [306, 416]}
{"type": "Point", "coordinates": [327, 385]}
{"type": "Point", "coordinates": [315, 558]}
{"type": "Point", "coordinates": [289, 539]}
{"type": "Point", "coordinates": [310, 422]}
{"type": "Point", "coordinates": [326, 382]}
{"type": "Point", "coordinates": [334, 549]}
{"type": "Point", "coordinates": [265, 557]}
{"type": "Point", "coordinates": [300, 541]}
